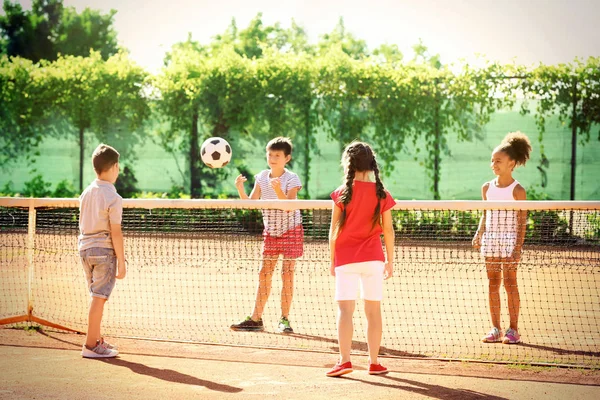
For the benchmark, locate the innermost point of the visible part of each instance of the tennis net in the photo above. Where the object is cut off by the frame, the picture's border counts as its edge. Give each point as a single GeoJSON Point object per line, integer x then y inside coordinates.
{"type": "Point", "coordinates": [193, 270]}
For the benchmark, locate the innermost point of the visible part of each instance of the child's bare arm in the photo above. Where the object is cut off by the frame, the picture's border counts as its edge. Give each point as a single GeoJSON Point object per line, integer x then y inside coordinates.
{"type": "Point", "coordinates": [292, 194]}
{"type": "Point", "coordinates": [333, 234]}
{"type": "Point", "coordinates": [239, 184]}
{"type": "Point", "coordinates": [389, 240]}
{"type": "Point", "coordinates": [481, 228]}
{"type": "Point", "coordinates": [255, 194]}
{"type": "Point", "coordinates": [117, 240]}
{"type": "Point", "coordinates": [281, 195]}
{"type": "Point", "coordinates": [520, 194]}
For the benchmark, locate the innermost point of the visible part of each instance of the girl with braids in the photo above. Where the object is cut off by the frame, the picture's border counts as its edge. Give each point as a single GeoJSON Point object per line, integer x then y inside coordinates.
{"type": "Point", "coordinates": [361, 213]}
{"type": "Point", "coordinates": [501, 234]}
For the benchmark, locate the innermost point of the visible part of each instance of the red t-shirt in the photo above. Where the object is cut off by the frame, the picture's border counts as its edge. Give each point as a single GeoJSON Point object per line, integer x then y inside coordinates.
{"type": "Point", "coordinates": [359, 240]}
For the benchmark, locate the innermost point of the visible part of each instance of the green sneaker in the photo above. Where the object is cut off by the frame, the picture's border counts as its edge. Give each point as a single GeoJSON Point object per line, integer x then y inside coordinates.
{"type": "Point", "coordinates": [248, 325]}
{"type": "Point", "coordinates": [284, 326]}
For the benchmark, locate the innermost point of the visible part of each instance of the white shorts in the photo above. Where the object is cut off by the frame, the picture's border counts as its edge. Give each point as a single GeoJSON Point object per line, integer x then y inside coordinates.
{"type": "Point", "coordinates": [499, 245]}
{"type": "Point", "coordinates": [368, 275]}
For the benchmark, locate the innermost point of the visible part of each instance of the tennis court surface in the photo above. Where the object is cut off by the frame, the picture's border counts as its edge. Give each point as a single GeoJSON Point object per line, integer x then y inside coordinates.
{"type": "Point", "coordinates": [48, 365]}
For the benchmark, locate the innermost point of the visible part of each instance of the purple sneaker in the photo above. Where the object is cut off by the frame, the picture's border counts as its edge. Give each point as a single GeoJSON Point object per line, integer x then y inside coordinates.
{"type": "Point", "coordinates": [493, 336]}
{"type": "Point", "coordinates": [511, 337]}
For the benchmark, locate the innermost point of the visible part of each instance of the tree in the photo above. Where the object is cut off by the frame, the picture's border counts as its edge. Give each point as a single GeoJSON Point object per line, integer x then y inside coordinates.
{"type": "Point", "coordinates": [77, 34]}
{"type": "Point", "coordinates": [388, 54]}
{"type": "Point", "coordinates": [343, 86]}
{"type": "Point", "coordinates": [105, 97]}
{"type": "Point", "coordinates": [252, 41]}
{"type": "Point", "coordinates": [572, 91]}
{"type": "Point", "coordinates": [343, 94]}
{"type": "Point", "coordinates": [23, 104]}
{"type": "Point", "coordinates": [220, 95]}
{"type": "Point", "coordinates": [339, 37]}
{"type": "Point", "coordinates": [288, 103]}
{"type": "Point", "coordinates": [50, 29]}
{"type": "Point", "coordinates": [30, 34]}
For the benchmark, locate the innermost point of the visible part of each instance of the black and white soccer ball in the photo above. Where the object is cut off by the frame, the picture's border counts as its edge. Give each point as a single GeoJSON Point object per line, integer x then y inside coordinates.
{"type": "Point", "coordinates": [215, 152]}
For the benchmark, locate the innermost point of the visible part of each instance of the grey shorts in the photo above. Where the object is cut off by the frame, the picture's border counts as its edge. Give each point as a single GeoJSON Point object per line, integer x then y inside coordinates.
{"type": "Point", "coordinates": [99, 267]}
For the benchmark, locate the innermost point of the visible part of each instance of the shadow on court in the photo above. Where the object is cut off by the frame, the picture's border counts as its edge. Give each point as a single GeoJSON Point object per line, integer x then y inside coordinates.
{"type": "Point", "coordinates": [425, 389]}
{"type": "Point", "coordinates": [356, 345]}
{"type": "Point", "coordinates": [170, 375]}
{"type": "Point", "coordinates": [558, 350]}
{"type": "Point", "coordinates": [72, 343]}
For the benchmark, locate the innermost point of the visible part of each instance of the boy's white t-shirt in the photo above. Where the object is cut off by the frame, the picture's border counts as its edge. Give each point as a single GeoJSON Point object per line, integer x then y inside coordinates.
{"type": "Point", "coordinates": [99, 206]}
{"type": "Point", "coordinates": [277, 222]}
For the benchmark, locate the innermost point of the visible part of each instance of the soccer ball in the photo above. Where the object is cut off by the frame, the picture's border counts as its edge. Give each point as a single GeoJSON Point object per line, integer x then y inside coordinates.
{"type": "Point", "coordinates": [215, 152]}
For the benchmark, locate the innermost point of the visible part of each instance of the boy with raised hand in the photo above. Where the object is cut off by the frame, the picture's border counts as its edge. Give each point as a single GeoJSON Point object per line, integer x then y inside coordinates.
{"type": "Point", "coordinates": [283, 233]}
{"type": "Point", "coordinates": [101, 244]}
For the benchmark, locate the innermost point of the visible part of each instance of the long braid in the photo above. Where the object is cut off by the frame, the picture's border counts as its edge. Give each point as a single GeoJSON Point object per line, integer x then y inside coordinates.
{"type": "Point", "coordinates": [347, 194]}
{"type": "Point", "coordinates": [380, 190]}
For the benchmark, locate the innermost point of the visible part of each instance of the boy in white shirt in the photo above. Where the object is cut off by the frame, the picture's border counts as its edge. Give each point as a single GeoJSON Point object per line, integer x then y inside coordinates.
{"type": "Point", "coordinates": [283, 233]}
{"type": "Point", "coordinates": [101, 244]}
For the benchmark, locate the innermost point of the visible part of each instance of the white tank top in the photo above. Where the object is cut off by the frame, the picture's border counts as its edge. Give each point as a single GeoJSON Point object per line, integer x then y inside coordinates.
{"type": "Point", "coordinates": [501, 221]}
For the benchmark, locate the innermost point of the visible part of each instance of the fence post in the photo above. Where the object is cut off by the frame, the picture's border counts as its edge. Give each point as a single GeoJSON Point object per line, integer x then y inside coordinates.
{"type": "Point", "coordinates": [574, 124]}
{"type": "Point", "coordinates": [437, 145]}
{"type": "Point", "coordinates": [575, 100]}
{"type": "Point", "coordinates": [30, 253]}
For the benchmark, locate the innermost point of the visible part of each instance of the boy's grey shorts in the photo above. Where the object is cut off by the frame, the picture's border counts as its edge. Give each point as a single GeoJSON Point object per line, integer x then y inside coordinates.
{"type": "Point", "coordinates": [99, 267]}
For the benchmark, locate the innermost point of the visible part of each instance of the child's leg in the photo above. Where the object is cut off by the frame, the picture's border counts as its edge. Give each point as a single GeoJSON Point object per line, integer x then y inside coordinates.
{"type": "Point", "coordinates": [494, 274]}
{"type": "Point", "coordinates": [512, 293]}
{"type": "Point", "coordinates": [374, 328]}
{"type": "Point", "coordinates": [263, 291]}
{"type": "Point", "coordinates": [345, 328]}
{"type": "Point", "coordinates": [94, 321]}
{"type": "Point", "coordinates": [287, 290]}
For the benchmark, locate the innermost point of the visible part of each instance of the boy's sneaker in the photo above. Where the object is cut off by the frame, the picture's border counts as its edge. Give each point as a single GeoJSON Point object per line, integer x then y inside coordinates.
{"type": "Point", "coordinates": [511, 337]}
{"type": "Point", "coordinates": [284, 326]}
{"type": "Point", "coordinates": [377, 369]}
{"type": "Point", "coordinates": [108, 345]}
{"type": "Point", "coordinates": [340, 369]}
{"type": "Point", "coordinates": [493, 336]}
{"type": "Point", "coordinates": [98, 352]}
{"type": "Point", "coordinates": [249, 325]}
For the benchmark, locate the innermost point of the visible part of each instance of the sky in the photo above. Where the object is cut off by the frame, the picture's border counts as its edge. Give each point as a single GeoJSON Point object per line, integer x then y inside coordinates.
{"type": "Point", "coordinates": [527, 32]}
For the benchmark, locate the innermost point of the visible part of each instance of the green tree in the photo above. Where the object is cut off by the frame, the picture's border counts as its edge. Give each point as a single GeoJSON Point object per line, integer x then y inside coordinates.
{"type": "Point", "coordinates": [220, 95]}
{"type": "Point", "coordinates": [288, 103]}
{"type": "Point", "coordinates": [49, 29]}
{"type": "Point", "coordinates": [461, 102]}
{"type": "Point", "coordinates": [343, 90]}
{"type": "Point", "coordinates": [77, 33]}
{"type": "Point", "coordinates": [340, 38]}
{"type": "Point", "coordinates": [105, 97]}
{"type": "Point", "coordinates": [24, 101]}
{"type": "Point", "coordinates": [570, 91]}
{"type": "Point", "coordinates": [388, 54]}
{"type": "Point", "coordinates": [226, 95]}
{"type": "Point", "coordinates": [252, 41]}
{"type": "Point", "coordinates": [30, 34]}
{"type": "Point", "coordinates": [343, 85]}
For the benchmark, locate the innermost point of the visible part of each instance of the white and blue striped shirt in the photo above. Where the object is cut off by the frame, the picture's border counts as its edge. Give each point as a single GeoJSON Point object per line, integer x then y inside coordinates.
{"type": "Point", "coordinates": [277, 222]}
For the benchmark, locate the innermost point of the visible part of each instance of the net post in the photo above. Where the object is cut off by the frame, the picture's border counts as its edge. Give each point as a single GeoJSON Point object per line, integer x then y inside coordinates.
{"type": "Point", "coordinates": [31, 224]}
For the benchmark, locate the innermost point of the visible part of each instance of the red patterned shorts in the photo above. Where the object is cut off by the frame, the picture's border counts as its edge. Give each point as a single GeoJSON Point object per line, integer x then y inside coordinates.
{"type": "Point", "coordinates": [290, 244]}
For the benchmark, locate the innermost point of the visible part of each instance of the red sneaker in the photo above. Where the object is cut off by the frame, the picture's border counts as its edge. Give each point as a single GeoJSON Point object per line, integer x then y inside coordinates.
{"type": "Point", "coordinates": [377, 369]}
{"type": "Point", "coordinates": [340, 369]}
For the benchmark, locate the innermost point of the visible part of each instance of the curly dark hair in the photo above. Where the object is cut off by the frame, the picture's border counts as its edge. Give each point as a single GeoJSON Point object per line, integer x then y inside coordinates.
{"type": "Point", "coordinates": [517, 146]}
